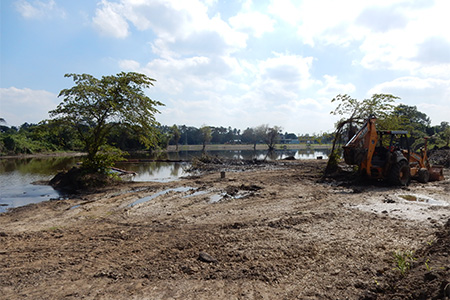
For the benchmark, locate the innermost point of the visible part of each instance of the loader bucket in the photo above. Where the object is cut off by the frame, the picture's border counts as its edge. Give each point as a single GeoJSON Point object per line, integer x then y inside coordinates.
{"type": "Point", "coordinates": [436, 173]}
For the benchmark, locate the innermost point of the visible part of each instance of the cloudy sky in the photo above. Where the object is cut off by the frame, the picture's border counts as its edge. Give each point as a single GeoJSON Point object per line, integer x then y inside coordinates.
{"type": "Point", "coordinates": [230, 63]}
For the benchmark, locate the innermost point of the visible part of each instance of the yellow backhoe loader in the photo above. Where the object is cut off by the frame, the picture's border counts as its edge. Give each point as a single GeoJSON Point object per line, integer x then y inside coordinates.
{"type": "Point", "coordinates": [387, 155]}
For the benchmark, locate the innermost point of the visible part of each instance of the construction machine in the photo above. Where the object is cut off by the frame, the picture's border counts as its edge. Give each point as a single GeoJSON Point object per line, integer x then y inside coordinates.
{"type": "Point", "coordinates": [387, 155]}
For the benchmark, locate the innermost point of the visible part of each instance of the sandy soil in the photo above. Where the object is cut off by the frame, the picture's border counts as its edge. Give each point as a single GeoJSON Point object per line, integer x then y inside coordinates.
{"type": "Point", "coordinates": [268, 231]}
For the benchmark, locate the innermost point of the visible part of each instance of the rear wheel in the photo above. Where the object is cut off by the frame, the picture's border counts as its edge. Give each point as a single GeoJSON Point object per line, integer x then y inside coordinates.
{"type": "Point", "coordinates": [424, 175]}
{"type": "Point", "coordinates": [400, 173]}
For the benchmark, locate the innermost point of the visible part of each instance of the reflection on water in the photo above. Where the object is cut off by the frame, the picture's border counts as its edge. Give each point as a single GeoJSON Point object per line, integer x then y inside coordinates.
{"type": "Point", "coordinates": [251, 154]}
{"type": "Point", "coordinates": [17, 174]}
{"type": "Point", "coordinates": [154, 171]}
{"type": "Point", "coordinates": [16, 190]}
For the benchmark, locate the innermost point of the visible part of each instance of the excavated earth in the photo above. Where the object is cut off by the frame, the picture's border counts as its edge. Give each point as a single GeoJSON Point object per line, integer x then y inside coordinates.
{"type": "Point", "coordinates": [264, 231]}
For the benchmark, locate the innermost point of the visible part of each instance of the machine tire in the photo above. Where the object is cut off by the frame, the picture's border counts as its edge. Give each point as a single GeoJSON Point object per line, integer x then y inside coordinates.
{"type": "Point", "coordinates": [400, 173]}
{"type": "Point", "coordinates": [424, 175]}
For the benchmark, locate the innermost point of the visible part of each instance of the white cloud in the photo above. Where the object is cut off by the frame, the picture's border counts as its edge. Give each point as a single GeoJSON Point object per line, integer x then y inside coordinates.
{"type": "Point", "coordinates": [285, 10]}
{"type": "Point", "coordinates": [333, 87]}
{"type": "Point", "coordinates": [254, 22]}
{"type": "Point", "coordinates": [38, 9]}
{"type": "Point", "coordinates": [395, 35]}
{"type": "Point", "coordinates": [222, 90]}
{"type": "Point", "coordinates": [109, 20]}
{"type": "Point", "coordinates": [25, 105]}
{"type": "Point", "coordinates": [181, 27]}
{"type": "Point", "coordinates": [415, 45]}
{"type": "Point", "coordinates": [287, 70]}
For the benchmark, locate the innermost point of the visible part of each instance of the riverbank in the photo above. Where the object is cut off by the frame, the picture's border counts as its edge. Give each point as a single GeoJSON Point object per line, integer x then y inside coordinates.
{"type": "Point", "coordinates": [237, 147]}
{"type": "Point", "coordinates": [45, 154]}
{"type": "Point", "coordinates": [259, 231]}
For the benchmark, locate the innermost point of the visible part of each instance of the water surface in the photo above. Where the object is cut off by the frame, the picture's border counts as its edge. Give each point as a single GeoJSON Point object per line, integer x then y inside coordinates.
{"type": "Point", "coordinates": [18, 174]}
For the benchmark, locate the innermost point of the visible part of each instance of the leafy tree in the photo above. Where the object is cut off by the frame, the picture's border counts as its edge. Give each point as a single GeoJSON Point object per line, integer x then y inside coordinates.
{"type": "Point", "coordinates": [414, 121]}
{"type": "Point", "coordinates": [125, 139]}
{"type": "Point", "coordinates": [444, 133]}
{"type": "Point", "coordinates": [272, 137]}
{"type": "Point", "coordinates": [176, 135]}
{"type": "Point", "coordinates": [250, 136]}
{"type": "Point", "coordinates": [206, 136]}
{"type": "Point", "coordinates": [269, 135]}
{"type": "Point", "coordinates": [92, 104]}
{"type": "Point", "coordinates": [218, 135]}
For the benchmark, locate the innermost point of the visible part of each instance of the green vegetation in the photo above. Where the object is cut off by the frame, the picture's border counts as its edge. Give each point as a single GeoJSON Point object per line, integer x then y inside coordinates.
{"type": "Point", "coordinates": [403, 260]}
{"type": "Point", "coordinates": [93, 106]}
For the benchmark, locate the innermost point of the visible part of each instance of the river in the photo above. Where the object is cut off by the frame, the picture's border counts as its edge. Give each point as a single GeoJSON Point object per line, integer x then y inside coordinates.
{"type": "Point", "coordinates": [17, 175]}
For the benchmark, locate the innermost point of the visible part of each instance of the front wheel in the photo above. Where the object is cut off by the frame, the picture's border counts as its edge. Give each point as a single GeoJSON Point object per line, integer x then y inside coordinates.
{"type": "Point", "coordinates": [400, 173]}
{"type": "Point", "coordinates": [424, 175]}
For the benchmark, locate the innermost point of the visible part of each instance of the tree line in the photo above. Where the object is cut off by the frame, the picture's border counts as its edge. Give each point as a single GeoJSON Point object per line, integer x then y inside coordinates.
{"type": "Point", "coordinates": [52, 136]}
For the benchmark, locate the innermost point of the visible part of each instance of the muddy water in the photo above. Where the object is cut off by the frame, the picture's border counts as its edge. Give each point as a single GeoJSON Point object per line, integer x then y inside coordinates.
{"type": "Point", "coordinates": [148, 198]}
{"type": "Point", "coordinates": [18, 174]}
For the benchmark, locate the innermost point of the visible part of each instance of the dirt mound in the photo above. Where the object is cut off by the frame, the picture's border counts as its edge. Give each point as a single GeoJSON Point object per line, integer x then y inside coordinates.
{"type": "Point", "coordinates": [428, 277]}
{"type": "Point", "coordinates": [440, 157]}
{"type": "Point", "coordinates": [76, 181]}
{"type": "Point", "coordinates": [207, 164]}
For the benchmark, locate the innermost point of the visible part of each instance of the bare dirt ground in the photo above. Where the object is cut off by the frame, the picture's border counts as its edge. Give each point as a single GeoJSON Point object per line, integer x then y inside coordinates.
{"type": "Point", "coordinates": [267, 231]}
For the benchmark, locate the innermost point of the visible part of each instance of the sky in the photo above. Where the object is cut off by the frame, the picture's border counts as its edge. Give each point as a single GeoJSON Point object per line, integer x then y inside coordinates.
{"type": "Point", "coordinates": [230, 63]}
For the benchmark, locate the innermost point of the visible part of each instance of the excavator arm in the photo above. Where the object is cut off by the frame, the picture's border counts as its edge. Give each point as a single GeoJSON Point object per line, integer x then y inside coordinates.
{"type": "Point", "coordinates": [360, 148]}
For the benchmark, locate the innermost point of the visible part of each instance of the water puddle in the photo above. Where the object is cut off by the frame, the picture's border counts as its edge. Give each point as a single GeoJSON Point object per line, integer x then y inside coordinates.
{"type": "Point", "coordinates": [148, 198]}
{"type": "Point", "coordinates": [197, 193]}
{"type": "Point", "coordinates": [216, 197]}
{"type": "Point", "coordinates": [422, 199]}
{"type": "Point", "coordinates": [121, 193]}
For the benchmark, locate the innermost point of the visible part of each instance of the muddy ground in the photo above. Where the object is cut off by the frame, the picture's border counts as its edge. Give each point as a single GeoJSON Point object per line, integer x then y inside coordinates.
{"type": "Point", "coordinates": [265, 231]}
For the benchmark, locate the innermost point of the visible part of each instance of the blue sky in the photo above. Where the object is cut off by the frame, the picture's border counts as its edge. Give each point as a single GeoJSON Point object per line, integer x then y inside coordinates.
{"type": "Point", "coordinates": [230, 63]}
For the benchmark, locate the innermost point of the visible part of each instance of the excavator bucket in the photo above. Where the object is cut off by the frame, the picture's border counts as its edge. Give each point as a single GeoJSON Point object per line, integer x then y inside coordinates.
{"type": "Point", "coordinates": [436, 173]}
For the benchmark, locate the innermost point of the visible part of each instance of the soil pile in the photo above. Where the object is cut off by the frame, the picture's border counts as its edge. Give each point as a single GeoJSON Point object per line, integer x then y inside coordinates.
{"type": "Point", "coordinates": [77, 181]}
{"type": "Point", "coordinates": [440, 157]}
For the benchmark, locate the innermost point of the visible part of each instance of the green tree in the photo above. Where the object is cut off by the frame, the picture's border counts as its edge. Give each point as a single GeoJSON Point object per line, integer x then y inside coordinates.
{"type": "Point", "coordinates": [250, 136]}
{"type": "Point", "coordinates": [269, 135]}
{"type": "Point", "coordinates": [444, 133]}
{"type": "Point", "coordinates": [92, 104]}
{"type": "Point", "coordinates": [206, 136]}
{"type": "Point", "coordinates": [176, 135]}
{"type": "Point", "coordinates": [414, 121]}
